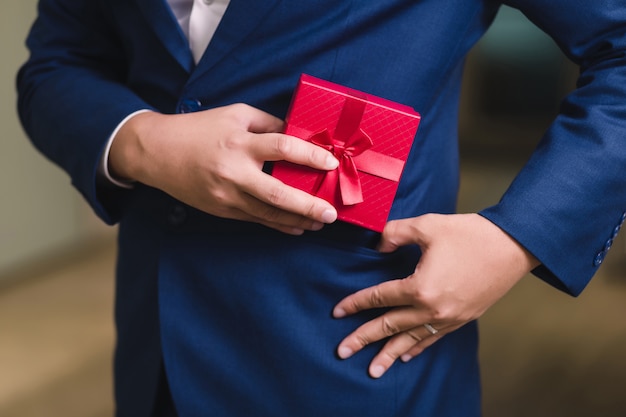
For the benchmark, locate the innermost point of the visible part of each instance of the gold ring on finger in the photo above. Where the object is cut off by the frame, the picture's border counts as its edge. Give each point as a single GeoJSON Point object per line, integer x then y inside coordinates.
{"type": "Point", "coordinates": [431, 329]}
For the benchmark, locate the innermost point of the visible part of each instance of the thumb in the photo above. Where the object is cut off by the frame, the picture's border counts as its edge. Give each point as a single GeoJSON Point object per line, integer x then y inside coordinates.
{"type": "Point", "coordinates": [404, 232]}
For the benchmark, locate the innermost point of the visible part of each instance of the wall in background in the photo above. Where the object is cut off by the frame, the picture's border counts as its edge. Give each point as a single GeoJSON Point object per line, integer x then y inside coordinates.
{"type": "Point", "coordinates": [40, 213]}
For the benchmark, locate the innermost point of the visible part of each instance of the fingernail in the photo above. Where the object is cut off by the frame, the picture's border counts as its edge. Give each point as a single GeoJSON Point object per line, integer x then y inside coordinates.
{"type": "Point", "coordinates": [339, 313]}
{"type": "Point", "coordinates": [329, 216]}
{"type": "Point", "coordinates": [331, 162]}
{"type": "Point", "coordinates": [377, 371]}
{"type": "Point", "coordinates": [406, 357]}
{"type": "Point", "coordinates": [344, 352]}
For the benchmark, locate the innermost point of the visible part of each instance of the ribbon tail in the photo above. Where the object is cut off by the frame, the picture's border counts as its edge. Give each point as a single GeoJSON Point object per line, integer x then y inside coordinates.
{"type": "Point", "coordinates": [349, 183]}
{"type": "Point", "coordinates": [327, 185]}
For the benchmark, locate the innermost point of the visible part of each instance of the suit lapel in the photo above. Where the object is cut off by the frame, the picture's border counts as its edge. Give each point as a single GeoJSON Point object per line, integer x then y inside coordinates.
{"type": "Point", "coordinates": [240, 19]}
{"type": "Point", "coordinates": [167, 29]}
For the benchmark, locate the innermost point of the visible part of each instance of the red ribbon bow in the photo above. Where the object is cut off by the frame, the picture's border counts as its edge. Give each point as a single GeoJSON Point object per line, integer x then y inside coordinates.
{"type": "Point", "coordinates": [348, 141]}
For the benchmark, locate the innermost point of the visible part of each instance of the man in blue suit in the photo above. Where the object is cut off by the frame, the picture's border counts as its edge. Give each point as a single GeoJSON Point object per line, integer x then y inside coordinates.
{"type": "Point", "coordinates": [240, 296]}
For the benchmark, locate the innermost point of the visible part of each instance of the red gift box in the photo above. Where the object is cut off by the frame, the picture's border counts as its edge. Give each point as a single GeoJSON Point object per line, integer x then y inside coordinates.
{"type": "Point", "coordinates": [370, 136]}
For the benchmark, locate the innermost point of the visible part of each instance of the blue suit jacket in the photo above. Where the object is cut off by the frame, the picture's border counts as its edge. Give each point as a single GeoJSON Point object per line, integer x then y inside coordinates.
{"type": "Point", "coordinates": [240, 314]}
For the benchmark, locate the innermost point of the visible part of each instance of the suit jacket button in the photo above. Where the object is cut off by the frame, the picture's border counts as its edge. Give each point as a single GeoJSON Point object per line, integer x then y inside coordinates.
{"type": "Point", "coordinates": [177, 215]}
{"type": "Point", "coordinates": [599, 258]}
{"type": "Point", "coordinates": [190, 105]}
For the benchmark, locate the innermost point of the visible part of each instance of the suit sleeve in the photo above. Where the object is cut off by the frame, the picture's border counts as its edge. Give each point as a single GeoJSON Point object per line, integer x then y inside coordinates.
{"type": "Point", "coordinates": [569, 202]}
{"type": "Point", "coordinates": [71, 94]}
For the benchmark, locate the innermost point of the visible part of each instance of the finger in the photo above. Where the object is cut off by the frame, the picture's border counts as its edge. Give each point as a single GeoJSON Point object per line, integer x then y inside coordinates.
{"type": "Point", "coordinates": [277, 147]}
{"type": "Point", "coordinates": [414, 340]}
{"type": "Point", "coordinates": [429, 341]}
{"type": "Point", "coordinates": [256, 120]}
{"type": "Point", "coordinates": [391, 323]}
{"type": "Point", "coordinates": [387, 294]}
{"type": "Point", "coordinates": [277, 218]}
{"type": "Point", "coordinates": [237, 214]}
{"type": "Point", "coordinates": [405, 232]}
{"type": "Point", "coordinates": [247, 208]}
{"type": "Point", "coordinates": [285, 203]}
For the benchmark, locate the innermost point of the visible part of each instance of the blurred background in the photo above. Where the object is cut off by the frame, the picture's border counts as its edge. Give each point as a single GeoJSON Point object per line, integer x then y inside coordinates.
{"type": "Point", "coordinates": [543, 353]}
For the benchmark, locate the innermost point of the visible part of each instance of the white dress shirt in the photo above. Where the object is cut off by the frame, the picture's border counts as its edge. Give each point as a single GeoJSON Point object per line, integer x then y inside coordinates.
{"type": "Point", "coordinates": [199, 20]}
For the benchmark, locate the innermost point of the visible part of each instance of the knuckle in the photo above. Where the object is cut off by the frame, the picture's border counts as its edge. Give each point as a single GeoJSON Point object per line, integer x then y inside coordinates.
{"type": "Point", "coordinates": [315, 155]}
{"type": "Point", "coordinates": [223, 172]}
{"type": "Point", "coordinates": [283, 146]}
{"type": "Point", "coordinates": [391, 355]}
{"type": "Point", "coordinates": [413, 335]}
{"type": "Point", "coordinates": [354, 304]}
{"type": "Point", "coordinates": [362, 340]}
{"type": "Point", "coordinates": [277, 196]}
{"type": "Point", "coordinates": [437, 313]}
{"type": "Point", "coordinates": [310, 209]}
{"type": "Point", "coordinates": [233, 141]}
{"type": "Point", "coordinates": [388, 327]}
{"type": "Point", "coordinates": [434, 303]}
{"type": "Point", "coordinates": [376, 297]}
{"type": "Point", "coordinates": [443, 313]}
{"type": "Point", "coordinates": [271, 215]}
{"type": "Point", "coordinates": [417, 293]}
{"type": "Point", "coordinates": [221, 198]}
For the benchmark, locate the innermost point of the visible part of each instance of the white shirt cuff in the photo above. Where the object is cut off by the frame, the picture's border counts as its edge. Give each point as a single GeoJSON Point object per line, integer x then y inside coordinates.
{"type": "Point", "coordinates": [103, 167]}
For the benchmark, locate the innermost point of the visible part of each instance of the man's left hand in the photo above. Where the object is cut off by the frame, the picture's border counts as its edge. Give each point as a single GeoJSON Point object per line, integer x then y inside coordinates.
{"type": "Point", "coordinates": [467, 264]}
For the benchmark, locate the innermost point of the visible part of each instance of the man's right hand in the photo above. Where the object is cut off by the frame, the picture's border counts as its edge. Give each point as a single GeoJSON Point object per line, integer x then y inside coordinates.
{"type": "Point", "coordinates": [213, 160]}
